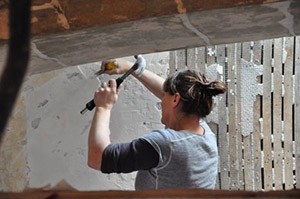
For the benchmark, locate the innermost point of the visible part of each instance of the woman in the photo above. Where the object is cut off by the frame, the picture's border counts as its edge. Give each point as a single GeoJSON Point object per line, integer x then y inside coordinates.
{"type": "Point", "coordinates": [183, 155]}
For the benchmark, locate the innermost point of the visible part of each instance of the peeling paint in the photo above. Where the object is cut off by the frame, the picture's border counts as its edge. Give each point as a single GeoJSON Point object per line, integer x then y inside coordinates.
{"type": "Point", "coordinates": [55, 5]}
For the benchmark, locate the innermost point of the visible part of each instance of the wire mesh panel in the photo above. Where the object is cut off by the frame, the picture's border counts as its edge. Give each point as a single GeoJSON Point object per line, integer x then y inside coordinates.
{"type": "Point", "coordinates": [257, 120]}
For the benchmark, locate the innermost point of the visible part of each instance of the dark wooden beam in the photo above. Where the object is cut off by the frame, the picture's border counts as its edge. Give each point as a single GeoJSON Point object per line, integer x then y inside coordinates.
{"type": "Point", "coordinates": [67, 33]}
{"type": "Point", "coordinates": [154, 194]}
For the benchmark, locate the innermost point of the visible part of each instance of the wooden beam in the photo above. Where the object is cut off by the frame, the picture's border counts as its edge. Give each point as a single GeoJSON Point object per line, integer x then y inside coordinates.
{"type": "Point", "coordinates": [157, 194]}
{"type": "Point", "coordinates": [67, 33]}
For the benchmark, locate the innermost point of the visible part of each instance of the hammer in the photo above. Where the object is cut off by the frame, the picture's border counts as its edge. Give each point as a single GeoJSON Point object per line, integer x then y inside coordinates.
{"type": "Point", "coordinates": [139, 64]}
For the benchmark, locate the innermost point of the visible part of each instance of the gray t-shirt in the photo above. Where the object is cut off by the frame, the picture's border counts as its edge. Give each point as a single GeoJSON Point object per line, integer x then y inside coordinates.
{"type": "Point", "coordinates": [186, 160]}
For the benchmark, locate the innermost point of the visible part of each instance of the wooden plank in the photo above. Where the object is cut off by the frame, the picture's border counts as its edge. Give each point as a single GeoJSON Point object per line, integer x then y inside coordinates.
{"type": "Point", "coordinates": [247, 140]}
{"type": "Point", "coordinates": [257, 52]}
{"type": "Point", "coordinates": [267, 149]}
{"type": "Point", "coordinates": [238, 56]}
{"type": "Point", "coordinates": [172, 62]}
{"type": "Point", "coordinates": [222, 118]}
{"type": "Point", "coordinates": [191, 57]}
{"type": "Point", "coordinates": [210, 55]}
{"type": "Point", "coordinates": [288, 113]}
{"type": "Point", "coordinates": [201, 62]}
{"type": "Point", "coordinates": [181, 59]}
{"type": "Point", "coordinates": [297, 111]}
{"type": "Point", "coordinates": [232, 136]}
{"type": "Point", "coordinates": [153, 194]}
{"type": "Point", "coordinates": [257, 131]}
{"type": "Point", "coordinates": [246, 51]}
{"type": "Point", "coordinates": [177, 60]}
{"type": "Point", "coordinates": [277, 115]}
{"type": "Point", "coordinates": [257, 128]}
{"type": "Point", "coordinates": [211, 59]}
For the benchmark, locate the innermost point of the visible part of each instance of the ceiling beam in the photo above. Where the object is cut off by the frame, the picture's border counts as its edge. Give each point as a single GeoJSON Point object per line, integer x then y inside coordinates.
{"type": "Point", "coordinates": [67, 33]}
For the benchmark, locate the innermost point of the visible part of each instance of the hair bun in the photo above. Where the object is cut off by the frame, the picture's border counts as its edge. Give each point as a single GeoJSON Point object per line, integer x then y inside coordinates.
{"type": "Point", "coordinates": [215, 87]}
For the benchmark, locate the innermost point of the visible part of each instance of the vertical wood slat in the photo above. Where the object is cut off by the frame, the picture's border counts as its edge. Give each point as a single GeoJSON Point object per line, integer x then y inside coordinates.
{"type": "Point", "coordinates": [196, 59]}
{"type": "Point", "coordinates": [240, 182]}
{"type": "Point", "coordinates": [178, 60]}
{"type": "Point", "coordinates": [247, 140]}
{"type": "Point", "coordinates": [267, 150]}
{"type": "Point", "coordinates": [277, 114]}
{"type": "Point", "coordinates": [257, 49]}
{"type": "Point", "coordinates": [232, 137]}
{"type": "Point", "coordinates": [288, 113]}
{"type": "Point", "coordinates": [222, 118]}
{"type": "Point", "coordinates": [181, 59]}
{"type": "Point", "coordinates": [297, 111]}
{"type": "Point", "coordinates": [191, 57]}
{"type": "Point", "coordinates": [172, 62]}
{"type": "Point", "coordinates": [210, 55]}
{"type": "Point", "coordinates": [211, 59]}
{"type": "Point", "coordinates": [200, 52]}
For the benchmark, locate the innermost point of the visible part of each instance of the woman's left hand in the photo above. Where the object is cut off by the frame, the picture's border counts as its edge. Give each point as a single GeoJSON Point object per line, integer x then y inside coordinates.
{"type": "Point", "coordinates": [107, 95]}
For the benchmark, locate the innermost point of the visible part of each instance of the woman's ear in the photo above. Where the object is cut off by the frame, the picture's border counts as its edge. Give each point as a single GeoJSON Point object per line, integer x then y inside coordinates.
{"type": "Point", "coordinates": [176, 99]}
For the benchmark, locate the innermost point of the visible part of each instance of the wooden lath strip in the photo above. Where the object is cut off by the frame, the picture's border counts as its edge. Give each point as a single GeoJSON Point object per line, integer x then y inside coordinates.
{"type": "Point", "coordinates": [172, 62]}
{"type": "Point", "coordinates": [177, 60]}
{"type": "Point", "coordinates": [211, 59]}
{"type": "Point", "coordinates": [297, 111]}
{"type": "Point", "coordinates": [277, 115]}
{"type": "Point", "coordinates": [232, 117]}
{"type": "Point", "coordinates": [257, 49]}
{"type": "Point", "coordinates": [241, 180]}
{"type": "Point", "coordinates": [267, 150]}
{"type": "Point", "coordinates": [247, 140]}
{"type": "Point", "coordinates": [200, 61]}
{"type": "Point", "coordinates": [222, 126]}
{"type": "Point", "coordinates": [288, 113]}
{"type": "Point", "coordinates": [191, 57]}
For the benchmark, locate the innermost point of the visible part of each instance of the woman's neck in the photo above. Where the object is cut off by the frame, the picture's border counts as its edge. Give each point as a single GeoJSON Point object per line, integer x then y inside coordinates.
{"type": "Point", "coordinates": [188, 123]}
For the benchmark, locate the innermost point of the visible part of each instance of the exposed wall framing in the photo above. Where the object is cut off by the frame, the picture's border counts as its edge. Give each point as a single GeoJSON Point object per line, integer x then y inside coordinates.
{"type": "Point", "coordinates": [257, 121]}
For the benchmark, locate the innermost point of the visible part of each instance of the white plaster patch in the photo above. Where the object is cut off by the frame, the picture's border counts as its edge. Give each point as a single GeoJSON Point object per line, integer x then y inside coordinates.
{"type": "Point", "coordinates": [213, 72]}
{"type": "Point", "coordinates": [284, 52]}
{"type": "Point", "coordinates": [211, 52]}
{"type": "Point", "coordinates": [249, 89]}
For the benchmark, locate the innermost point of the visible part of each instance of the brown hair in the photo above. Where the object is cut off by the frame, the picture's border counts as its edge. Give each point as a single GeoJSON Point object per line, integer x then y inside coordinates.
{"type": "Point", "coordinates": [196, 92]}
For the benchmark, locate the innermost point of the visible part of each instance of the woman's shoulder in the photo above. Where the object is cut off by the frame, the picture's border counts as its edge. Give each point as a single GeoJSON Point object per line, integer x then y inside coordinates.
{"type": "Point", "coordinates": [160, 133]}
{"type": "Point", "coordinates": [207, 129]}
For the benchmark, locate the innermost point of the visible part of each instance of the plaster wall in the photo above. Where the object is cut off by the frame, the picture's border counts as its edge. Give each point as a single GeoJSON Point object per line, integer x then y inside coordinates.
{"type": "Point", "coordinates": [46, 140]}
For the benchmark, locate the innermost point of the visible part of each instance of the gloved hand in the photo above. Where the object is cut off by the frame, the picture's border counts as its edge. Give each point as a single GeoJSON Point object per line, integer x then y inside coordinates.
{"type": "Point", "coordinates": [123, 66]}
